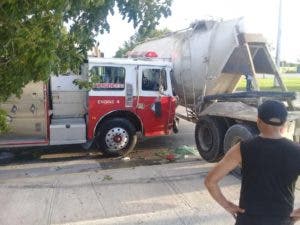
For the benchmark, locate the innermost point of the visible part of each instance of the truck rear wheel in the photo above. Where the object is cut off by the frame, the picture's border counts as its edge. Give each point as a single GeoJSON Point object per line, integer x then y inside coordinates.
{"type": "Point", "coordinates": [209, 136]}
{"type": "Point", "coordinates": [116, 137]}
{"type": "Point", "coordinates": [236, 134]}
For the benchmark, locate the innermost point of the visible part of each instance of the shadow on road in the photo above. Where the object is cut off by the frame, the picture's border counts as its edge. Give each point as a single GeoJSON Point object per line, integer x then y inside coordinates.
{"type": "Point", "coordinates": [46, 154]}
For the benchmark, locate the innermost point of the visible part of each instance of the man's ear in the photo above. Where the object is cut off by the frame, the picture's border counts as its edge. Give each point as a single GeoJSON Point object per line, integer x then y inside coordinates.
{"type": "Point", "coordinates": [258, 121]}
{"type": "Point", "coordinates": [283, 128]}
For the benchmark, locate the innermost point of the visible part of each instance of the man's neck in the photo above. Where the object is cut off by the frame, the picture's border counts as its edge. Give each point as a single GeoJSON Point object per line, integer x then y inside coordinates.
{"type": "Point", "coordinates": [271, 135]}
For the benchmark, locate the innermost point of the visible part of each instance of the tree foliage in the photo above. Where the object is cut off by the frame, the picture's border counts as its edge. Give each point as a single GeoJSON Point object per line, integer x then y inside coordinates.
{"type": "Point", "coordinates": [3, 122]}
{"type": "Point", "coordinates": [139, 37]}
{"type": "Point", "coordinates": [42, 37]}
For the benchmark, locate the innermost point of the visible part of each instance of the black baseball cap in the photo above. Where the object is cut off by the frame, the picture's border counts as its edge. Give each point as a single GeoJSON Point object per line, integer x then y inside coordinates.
{"type": "Point", "coordinates": [272, 112]}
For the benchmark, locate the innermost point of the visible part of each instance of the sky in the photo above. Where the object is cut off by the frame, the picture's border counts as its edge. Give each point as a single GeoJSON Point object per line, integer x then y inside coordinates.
{"type": "Point", "coordinates": [261, 16]}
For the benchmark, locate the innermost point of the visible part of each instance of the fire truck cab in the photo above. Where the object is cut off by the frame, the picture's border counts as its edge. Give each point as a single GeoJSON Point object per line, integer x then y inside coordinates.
{"type": "Point", "coordinates": [130, 96]}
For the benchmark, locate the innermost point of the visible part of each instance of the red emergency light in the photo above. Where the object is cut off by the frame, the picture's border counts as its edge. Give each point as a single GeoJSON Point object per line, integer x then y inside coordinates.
{"type": "Point", "coordinates": [151, 54]}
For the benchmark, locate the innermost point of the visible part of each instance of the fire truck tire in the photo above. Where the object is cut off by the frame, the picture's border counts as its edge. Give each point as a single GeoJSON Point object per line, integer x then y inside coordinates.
{"type": "Point", "coordinates": [116, 137]}
{"type": "Point", "coordinates": [209, 136]}
{"type": "Point", "coordinates": [235, 134]}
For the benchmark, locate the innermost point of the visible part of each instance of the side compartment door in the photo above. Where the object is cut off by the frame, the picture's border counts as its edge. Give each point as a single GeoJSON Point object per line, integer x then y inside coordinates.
{"type": "Point", "coordinates": [27, 117]}
{"type": "Point", "coordinates": [154, 91]}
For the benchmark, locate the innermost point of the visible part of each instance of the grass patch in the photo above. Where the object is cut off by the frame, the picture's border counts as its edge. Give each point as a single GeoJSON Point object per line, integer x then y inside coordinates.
{"type": "Point", "coordinates": [107, 177]}
{"type": "Point", "coordinates": [266, 84]}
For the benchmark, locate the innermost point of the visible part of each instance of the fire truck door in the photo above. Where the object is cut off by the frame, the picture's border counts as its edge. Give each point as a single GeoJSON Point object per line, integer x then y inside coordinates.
{"type": "Point", "coordinates": [154, 104]}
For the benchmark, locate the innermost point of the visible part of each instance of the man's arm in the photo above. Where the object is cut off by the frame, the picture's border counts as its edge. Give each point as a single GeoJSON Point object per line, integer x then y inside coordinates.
{"type": "Point", "coordinates": [296, 159]}
{"type": "Point", "coordinates": [295, 215]}
{"type": "Point", "coordinates": [229, 162]}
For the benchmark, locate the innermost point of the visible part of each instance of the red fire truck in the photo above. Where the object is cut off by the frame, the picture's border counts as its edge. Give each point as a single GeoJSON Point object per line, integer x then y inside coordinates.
{"type": "Point", "coordinates": [131, 95]}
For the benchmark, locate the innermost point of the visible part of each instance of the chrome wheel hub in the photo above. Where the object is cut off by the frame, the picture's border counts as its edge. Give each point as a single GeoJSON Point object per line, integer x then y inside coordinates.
{"type": "Point", "coordinates": [117, 138]}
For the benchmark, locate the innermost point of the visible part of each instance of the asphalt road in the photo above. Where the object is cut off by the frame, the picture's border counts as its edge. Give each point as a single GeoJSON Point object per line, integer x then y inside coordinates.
{"type": "Point", "coordinates": [164, 194]}
{"type": "Point", "coordinates": [84, 192]}
{"type": "Point", "coordinates": [69, 185]}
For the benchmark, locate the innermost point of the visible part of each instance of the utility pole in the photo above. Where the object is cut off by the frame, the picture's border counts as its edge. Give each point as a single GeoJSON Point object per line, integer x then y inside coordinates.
{"type": "Point", "coordinates": [278, 47]}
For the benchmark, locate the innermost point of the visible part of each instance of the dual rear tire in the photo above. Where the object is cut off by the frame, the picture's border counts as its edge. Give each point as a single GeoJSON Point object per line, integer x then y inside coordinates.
{"type": "Point", "coordinates": [236, 134]}
{"type": "Point", "coordinates": [214, 138]}
{"type": "Point", "coordinates": [209, 136]}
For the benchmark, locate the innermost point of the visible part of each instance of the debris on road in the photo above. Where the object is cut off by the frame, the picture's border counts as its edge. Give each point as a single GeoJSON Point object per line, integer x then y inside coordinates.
{"type": "Point", "coordinates": [126, 158]}
{"type": "Point", "coordinates": [170, 157]}
{"type": "Point", "coordinates": [107, 177]}
{"type": "Point", "coordinates": [162, 153]}
{"type": "Point", "coordinates": [181, 152]}
{"type": "Point", "coordinates": [186, 150]}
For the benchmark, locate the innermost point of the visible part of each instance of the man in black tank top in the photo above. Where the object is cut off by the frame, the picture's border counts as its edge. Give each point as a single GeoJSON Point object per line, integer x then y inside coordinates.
{"type": "Point", "coordinates": [270, 168]}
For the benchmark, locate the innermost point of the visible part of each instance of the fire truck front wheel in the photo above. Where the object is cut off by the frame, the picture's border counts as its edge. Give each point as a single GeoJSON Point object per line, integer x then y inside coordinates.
{"type": "Point", "coordinates": [116, 137]}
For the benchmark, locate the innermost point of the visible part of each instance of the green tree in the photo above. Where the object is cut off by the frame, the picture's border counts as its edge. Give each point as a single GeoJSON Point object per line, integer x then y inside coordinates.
{"type": "Point", "coordinates": [42, 37]}
{"type": "Point", "coordinates": [140, 37]}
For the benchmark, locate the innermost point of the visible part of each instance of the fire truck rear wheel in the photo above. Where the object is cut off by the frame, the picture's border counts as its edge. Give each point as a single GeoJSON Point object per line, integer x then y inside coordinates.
{"type": "Point", "coordinates": [116, 137]}
{"type": "Point", "coordinates": [209, 136]}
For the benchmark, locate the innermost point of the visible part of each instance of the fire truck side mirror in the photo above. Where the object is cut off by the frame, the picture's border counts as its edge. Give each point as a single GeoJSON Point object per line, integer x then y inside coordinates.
{"type": "Point", "coordinates": [156, 108]}
{"type": "Point", "coordinates": [162, 85]}
{"type": "Point", "coordinates": [161, 89]}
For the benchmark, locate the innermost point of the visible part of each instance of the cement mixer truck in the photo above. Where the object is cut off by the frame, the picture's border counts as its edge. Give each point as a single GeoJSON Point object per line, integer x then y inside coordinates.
{"type": "Point", "coordinates": [209, 59]}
